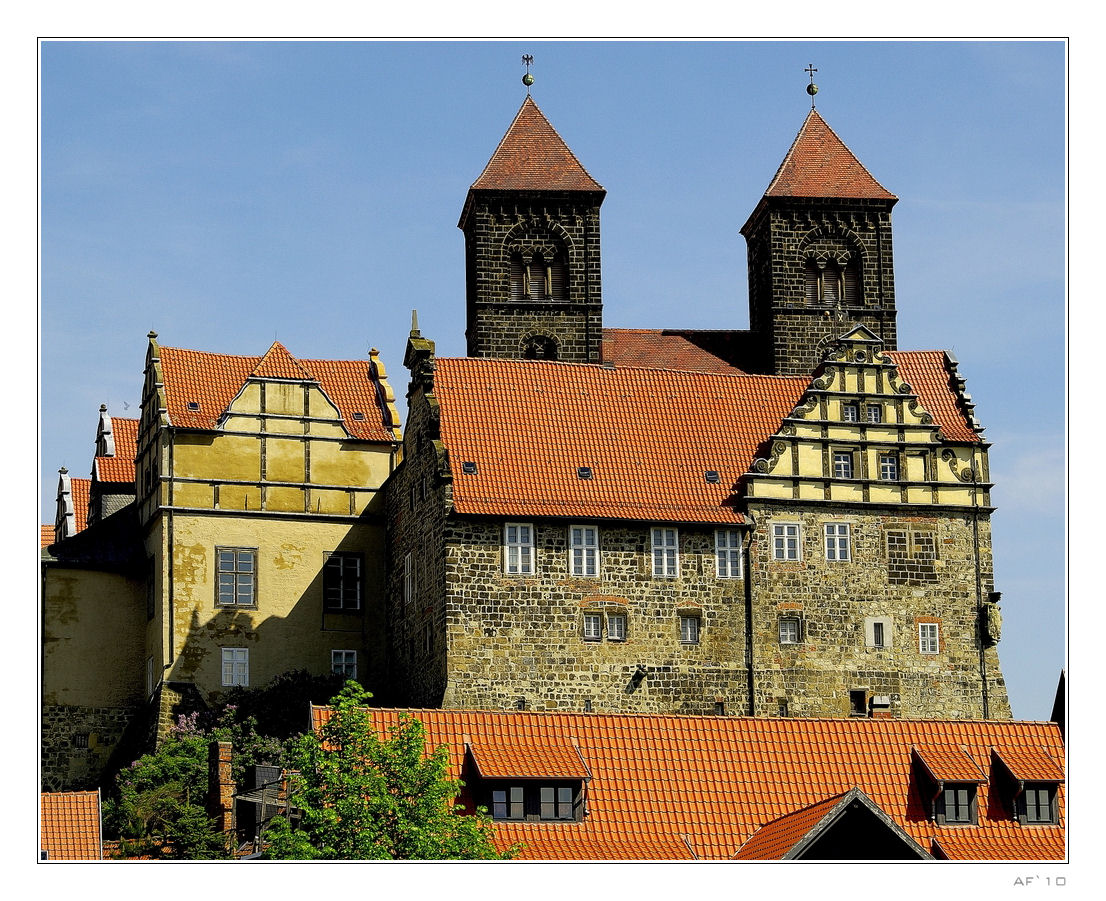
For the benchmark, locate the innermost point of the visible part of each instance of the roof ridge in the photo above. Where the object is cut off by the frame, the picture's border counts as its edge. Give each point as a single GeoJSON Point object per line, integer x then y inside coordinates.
{"type": "Point", "coordinates": [279, 363]}
{"type": "Point", "coordinates": [592, 367]}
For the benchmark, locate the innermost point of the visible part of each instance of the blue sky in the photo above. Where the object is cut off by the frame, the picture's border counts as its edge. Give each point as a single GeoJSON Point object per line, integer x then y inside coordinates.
{"type": "Point", "coordinates": [229, 194]}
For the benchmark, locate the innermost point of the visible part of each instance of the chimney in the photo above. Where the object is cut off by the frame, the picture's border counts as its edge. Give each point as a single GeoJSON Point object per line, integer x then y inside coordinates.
{"type": "Point", "coordinates": [220, 791]}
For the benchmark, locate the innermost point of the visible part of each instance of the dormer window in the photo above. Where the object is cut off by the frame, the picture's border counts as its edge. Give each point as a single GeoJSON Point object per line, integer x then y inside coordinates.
{"type": "Point", "coordinates": [1037, 804]}
{"type": "Point", "coordinates": [1029, 779]}
{"type": "Point", "coordinates": [543, 783]}
{"type": "Point", "coordinates": [949, 779]}
{"type": "Point", "coordinates": [956, 805]}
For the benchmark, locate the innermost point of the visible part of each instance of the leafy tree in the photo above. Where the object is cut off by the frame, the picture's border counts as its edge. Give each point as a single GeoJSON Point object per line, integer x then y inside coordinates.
{"type": "Point", "coordinates": [159, 808]}
{"type": "Point", "coordinates": [363, 797]}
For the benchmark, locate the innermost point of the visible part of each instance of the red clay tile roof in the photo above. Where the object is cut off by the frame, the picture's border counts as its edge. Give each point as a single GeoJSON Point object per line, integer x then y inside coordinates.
{"type": "Point", "coordinates": [533, 157]}
{"type": "Point", "coordinates": [773, 840]}
{"type": "Point", "coordinates": [1030, 764]}
{"type": "Point", "coordinates": [660, 349]}
{"type": "Point", "coordinates": [119, 468]}
{"type": "Point", "coordinates": [950, 763]}
{"type": "Point", "coordinates": [820, 165]}
{"type": "Point", "coordinates": [647, 435]}
{"type": "Point", "coordinates": [1027, 843]}
{"type": "Point", "coordinates": [80, 491]}
{"type": "Point", "coordinates": [70, 825]}
{"type": "Point", "coordinates": [46, 535]}
{"type": "Point", "coordinates": [548, 761]}
{"type": "Point", "coordinates": [925, 371]}
{"type": "Point", "coordinates": [663, 784]}
{"type": "Point", "coordinates": [213, 380]}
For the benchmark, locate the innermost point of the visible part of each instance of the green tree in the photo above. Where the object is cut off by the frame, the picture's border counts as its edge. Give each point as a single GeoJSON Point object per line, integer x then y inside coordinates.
{"type": "Point", "coordinates": [364, 797]}
{"type": "Point", "coordinates": [158, 810]}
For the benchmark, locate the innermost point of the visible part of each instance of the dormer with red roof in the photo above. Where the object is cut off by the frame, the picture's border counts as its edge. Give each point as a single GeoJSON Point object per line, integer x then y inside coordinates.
{"type": "Point", "coordinates": [531, 225]}
{"type": "Point", "coordinates": [113, 466]}
{"type": "Point", "coordinates": [819, 250]}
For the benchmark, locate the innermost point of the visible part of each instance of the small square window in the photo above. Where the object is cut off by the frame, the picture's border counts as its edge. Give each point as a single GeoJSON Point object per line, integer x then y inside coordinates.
{"type": "Point", "coordinates": [666, 553]}
{"type": "Point", "coordinates": [873, 413]}
{"type": "Point", "coordinates": [789, 630]}
{"type": "Point", "coordinates": [837, 541]}
{"type": "Point", "coordinates": [1037, 803]}
{"type": "Point", "coordinates": [957, 801]}
{"type": "Point", "coordinates": [889, 467]}
{"type": "Point", "coordinates": [727, 553]}
{"type": "Point", "coordinates": [842, 464]}
{"type": "Point", "coordinates": [616, 627]}
{"type": "Point", "coordinates": [236, 667]}
{"type": "Point", "coordinates": [518, 549]}
{"type": "Point", "coordinates": [929, 638]}
{"type": "Point", "coordinates": [850, 412]}
{"type": "Point", "coordinates": [689, 629]}
{"type": "Point", "coordinates": [785, 541]}
{"type": "Point", "coordinates": [344, 663]}
{"type": "Point", "coordinates": [593, 626]}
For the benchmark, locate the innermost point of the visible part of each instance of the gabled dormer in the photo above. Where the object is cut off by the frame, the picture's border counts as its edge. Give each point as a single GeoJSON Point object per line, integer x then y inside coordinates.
{"type": "Point", "coordinates": [1028, 780]}
{"type": "Point", "coordinates": [948, 779]}
{"type": "Point", "coordinates": [862, 434]}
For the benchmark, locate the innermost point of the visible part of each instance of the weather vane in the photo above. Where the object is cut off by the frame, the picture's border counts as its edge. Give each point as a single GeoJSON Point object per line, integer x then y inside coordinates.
{"type": "Point", "coordinates": [528, 79]}
{"type": "Point", "coordinates": [811, 88]}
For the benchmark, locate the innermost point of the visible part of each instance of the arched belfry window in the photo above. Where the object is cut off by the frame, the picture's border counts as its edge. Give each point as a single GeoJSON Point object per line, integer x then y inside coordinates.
{"type": "Point", "coordinates": [538, 275]}
{"type": "Point", "coordinates": [539, 347]}
{"type": "Point", "coordinates": [832, 283]}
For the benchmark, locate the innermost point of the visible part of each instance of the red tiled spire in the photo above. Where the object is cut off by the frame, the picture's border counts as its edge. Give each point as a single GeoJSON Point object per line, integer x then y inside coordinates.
{"type": "Point", "coordinates": [533, 157]}
{"type": "Point", "coordinates": [820, 165]}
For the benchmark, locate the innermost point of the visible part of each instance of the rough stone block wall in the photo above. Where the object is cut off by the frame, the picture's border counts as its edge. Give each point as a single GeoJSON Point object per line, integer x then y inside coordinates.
{"type": "Point", "coordinates": [512, 637]}
{"type": "Point", "coordinates": [833, 599]}
{"type": "Point", "coordinates": [77, 743]}
{"type": "Point", "coordinates": [497, 326]}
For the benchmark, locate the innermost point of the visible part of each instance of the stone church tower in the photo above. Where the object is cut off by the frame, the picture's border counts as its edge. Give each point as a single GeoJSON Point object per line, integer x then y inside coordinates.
{"type": "Point", "coordinates": [820, 260]}
{"type": "Point", "coordinates": [531, 225]}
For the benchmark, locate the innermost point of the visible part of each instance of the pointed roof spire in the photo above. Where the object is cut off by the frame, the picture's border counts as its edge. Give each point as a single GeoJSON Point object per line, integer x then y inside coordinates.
{"type": "Point", "coordinates": [820, 165]}
{"type": "Point", "coordinates": [279, 364]}
{"type": "Point", "coordinates": [533, 157]}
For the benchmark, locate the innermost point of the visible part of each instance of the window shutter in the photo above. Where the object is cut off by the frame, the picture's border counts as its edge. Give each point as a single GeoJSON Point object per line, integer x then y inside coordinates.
{"type": "Point", "coordinates": [852, 287]}
{"type": "Point", "coordinates": [518, 278]}
{"type": "Point", "coordinates": [558, 280]}
{"type": "Point", "coordinates": [811, 284]}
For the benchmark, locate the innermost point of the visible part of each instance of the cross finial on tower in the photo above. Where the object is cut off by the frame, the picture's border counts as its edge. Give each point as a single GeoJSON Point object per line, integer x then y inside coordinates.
{"type": "Point", "coordinates": [528, 79]}
{"type": "Point", "coordinates": [811, 88]}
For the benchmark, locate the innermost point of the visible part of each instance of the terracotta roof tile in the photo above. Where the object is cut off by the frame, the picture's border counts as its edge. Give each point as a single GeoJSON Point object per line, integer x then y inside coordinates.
{"type": "Point", "coordinates": [950, 763]}
{"type": "Point", "coordinates": [533, 157]}
{"type": "Point", "coordinates": [528, 760]}
{"type": "Point", "coordinates": [773, 840]}
{"type": "Point", "coordinates": [926, 371]}
{"type": "Point", "coordinates": [46, 535]}
{"type": "Point", "coordinates": [1030, 764]}
{"type": "Point", "coordinates": [80, 490]}
{"type": "Point", "coordinates": [820, 165]}
{"type": "Point", "coordinates": [120, 467]}
{"type": "Point", "coordinates": [664, 349]}
{"type": "Point", "coordinates": [663, 784]}
{"type": "Point", "coordinates": [648, 437]}
{"type": "Point", "coordinates": [70, 825]}
{"type": "Point", "coordinates": [212, 381]}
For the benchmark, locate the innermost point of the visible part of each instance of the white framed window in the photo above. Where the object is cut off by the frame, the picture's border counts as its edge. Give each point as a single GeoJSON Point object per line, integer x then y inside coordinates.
{"type": "Point", "coordinates": [842, 464]}
{"type": "Point", "coordinates": [785, 541]}
{"type": "Point", "coordinates": [666, 552]}
{"type": "Point", "coordinates": [344, 663]}
{"type": "Point", "coordinates": [838, 541]}
{"type": "Point", "coordinates": [929, 638]}
{"type": "Point", "coordinates": [889, 467]}
{"type": "Point", "coordinates": [408, 579]}
{"type": "Point", "coordinates": [616, 627]}
{"type": "Point", "coordinates": [727, 553]}
{"type": "Point", "coordinates": [518, 549]}
{"type": "Point", "coordinates": [850, 412]}
{"type": "Point", "coordinates": [237, 577]}
{"type": "Point", "coordinates": [873, 413]}
{"type": "Point", "coordinates": [584, 551]}
{"type": "Point", "coordinates": [342, 581]}
{"type": "Point", "coordinates": [689, 628]}
{"type": "Point", "coordinates": [236, 667]}
{"type": "Point", "coordinates": [593, 626]}
{"type": "Point", "coordinates": [789, 630]}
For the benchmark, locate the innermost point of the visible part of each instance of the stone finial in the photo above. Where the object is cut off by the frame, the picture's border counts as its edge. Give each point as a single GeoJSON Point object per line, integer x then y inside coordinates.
{"type": "Point", "coordinates": [151, 334]}
{"type": "Point", "coordinates": [103, 408]}
{"type": "Point", "coordinates": [415, 333]}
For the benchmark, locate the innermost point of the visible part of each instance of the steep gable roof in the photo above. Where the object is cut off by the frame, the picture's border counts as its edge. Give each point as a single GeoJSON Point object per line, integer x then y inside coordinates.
{"type": "Point", "coordinates": [820, 165]}
{"type": "Point", "coordinates": [70, 825]}
{"type": "Point", "coordinates": [533, 157]}
{"type": "Point", "coordinates": [120, 466]}
{"type": "Point", "coordinates": [648, 437]}
{"type": "Point", "coordinates": [927, 372]}
{"type": "Point", "coordinates": [212, 380]}
{"type": "Point", "coordinates": [682, 787]}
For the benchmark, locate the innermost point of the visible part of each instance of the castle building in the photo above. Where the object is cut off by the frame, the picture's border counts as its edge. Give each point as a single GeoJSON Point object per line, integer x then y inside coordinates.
{"type": "Point", "coordinates": [789, 520]}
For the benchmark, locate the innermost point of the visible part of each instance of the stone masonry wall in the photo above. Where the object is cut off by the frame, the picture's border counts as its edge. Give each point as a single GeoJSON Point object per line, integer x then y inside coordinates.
{"type": "Point", "coordinates": [835, 599]}
{"type": "Point", "coordinates": [516, 637]}
{"type": "Point", "coordinates": [778, 239]}
{"type": "Point", "coordinates": [77, 743]}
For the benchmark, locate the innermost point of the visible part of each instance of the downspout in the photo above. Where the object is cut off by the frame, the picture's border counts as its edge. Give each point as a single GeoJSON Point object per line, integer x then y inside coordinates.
{"type": "Point", "coordinates": [980, 613]}
{"type": "Point", "coordinates": [749, 615]}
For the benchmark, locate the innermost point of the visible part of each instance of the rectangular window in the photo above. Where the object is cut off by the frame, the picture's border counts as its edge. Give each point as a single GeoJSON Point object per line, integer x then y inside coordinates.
{"type": "Point", "coordinates": [237, 586]}
{"type": "Point", "coordinates": [929, 638]}
{"type": "Point", "coordinates": [689, 629]}
{"type": "Point", "coordinates": [958, 803]}
{"type": "Point", "coordinates": [878, 640]}
{"type": "Point", "coordinates": [556, 802]}
{"type": "Point", "coordinates": [344, 663]}
{"type": "Point", "coordinates": [507, 803]}
{"type": "Point", "coordinates": [236, 667]}
{"type": "Point", "coordinates": [889, 467]}
{"type": "Point", "coordinates": [789, 630]}
{"type": "Point", "coordinates": [873, 413]}
{"type": "Point", "coordinates": [858, 702]}
{"type": "Point", "coordinates": [408, 579]}
{"type": "Point", "coordinates": [785, 541]}
{"type": "Point", "coordinates": [1037, 803]}
{"type": "Point", "coordinates": [877, 631]}
{"type": "Point", "coordinates": [150, 683]}
{"type": "Point", "coordinates": [584, 551]}
{"type": "Point", "coordinates": [342, 581]}
{"type": "Point", "coordinates": [616, 627]}
{"type": "Point", "coordinates": [151, 588]}
{"type": "Point", "coordinates": [666, 556]}
{"type": "Point", "coordinates": [593, 626]}
{"type": "Point", "coordinates": [842, 464]}
{"type": "Point", "coordinates": [727, 553]}
{"type": "Point", "coordinates": [518, 549]}
{"type": "Point", "coordinates": [837, 541]}
{"type": "Point", "coordinates": [850, 412]}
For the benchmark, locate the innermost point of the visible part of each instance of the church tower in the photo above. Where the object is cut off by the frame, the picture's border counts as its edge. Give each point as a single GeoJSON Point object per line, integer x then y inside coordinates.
{"type": "Point", "coordinates": [819, 245]}
{"type": "Point", "coordinates": [531, 225]}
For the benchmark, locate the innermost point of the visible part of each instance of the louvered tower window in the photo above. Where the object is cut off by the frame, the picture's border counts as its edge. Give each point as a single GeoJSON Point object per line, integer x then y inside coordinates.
{"type": "Point", "coordinates": [538, 278]}
{"type": "Point", "coordinates": [832, 284]}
